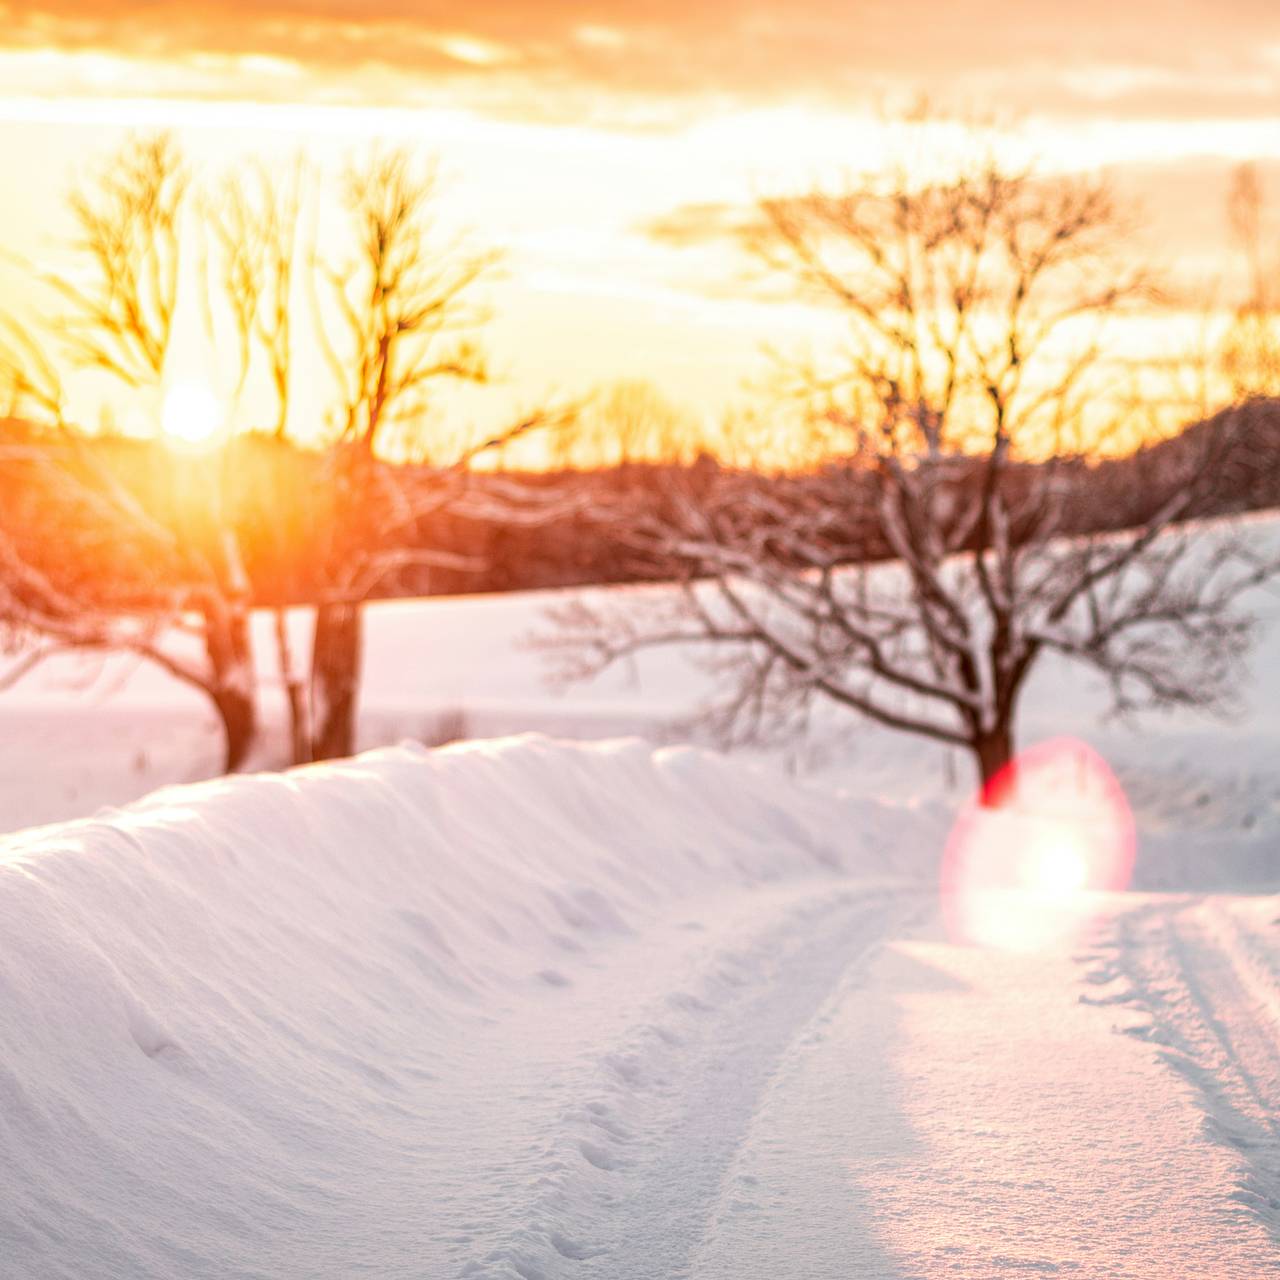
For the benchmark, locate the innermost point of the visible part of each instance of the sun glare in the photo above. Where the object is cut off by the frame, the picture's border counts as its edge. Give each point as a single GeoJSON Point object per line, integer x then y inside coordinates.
{"type": "Point", "coordinates": [1057, 865]}
{"type": "Point", "coordinates": [192, 415]}
{"type": "Point", "coordinates": [1027, 860]}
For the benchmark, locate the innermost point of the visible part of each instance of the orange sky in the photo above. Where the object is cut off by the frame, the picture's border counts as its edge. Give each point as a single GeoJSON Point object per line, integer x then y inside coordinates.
{"type": "Point", "coordinates": [1180, 59]}
{"type": "Point", "coordinates": [605, 146]}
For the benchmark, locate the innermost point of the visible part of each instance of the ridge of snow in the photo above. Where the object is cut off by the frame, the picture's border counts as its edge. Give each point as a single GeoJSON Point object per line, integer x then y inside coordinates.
{"type": "Point", "coordinates": [244, 1022]}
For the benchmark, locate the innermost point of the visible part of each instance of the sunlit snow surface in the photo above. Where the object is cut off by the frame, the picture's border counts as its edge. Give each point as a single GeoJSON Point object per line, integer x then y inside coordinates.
{"type": "Point", "coordinates": [538, 1010]}
{"type": "Point", "coordinates": [532, 1010]}
{"type": "Point", "coordinates": [405, 1015]}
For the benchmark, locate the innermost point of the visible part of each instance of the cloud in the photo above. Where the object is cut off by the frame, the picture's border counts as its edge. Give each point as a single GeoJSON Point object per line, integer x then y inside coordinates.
{"type": "Point", "coordinates": [701, 222]}
{"type": "Point", "coordinates": [1141, 56]}
{"type": "Point", "coordinates": [1177, 225]}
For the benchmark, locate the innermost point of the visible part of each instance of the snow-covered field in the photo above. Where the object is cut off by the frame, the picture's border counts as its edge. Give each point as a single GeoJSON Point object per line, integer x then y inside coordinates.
{"type": "Point", "coordinates": [539, 1008]}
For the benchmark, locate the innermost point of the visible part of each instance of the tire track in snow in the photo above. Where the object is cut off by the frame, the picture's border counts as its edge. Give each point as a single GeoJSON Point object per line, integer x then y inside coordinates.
{"type": "Point", "coordinates": [628, 1174]}
{"type": "Point", "coordinates": [1207, 975]}
{"type": "Point", "coordinates": [954, 1111]}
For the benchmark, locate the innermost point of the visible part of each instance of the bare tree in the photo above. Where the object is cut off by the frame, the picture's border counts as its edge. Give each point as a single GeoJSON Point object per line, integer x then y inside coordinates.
{"type": "Point", "coordinates": [86, 566]}
{"type": "Point", "coordinates": [628, 421]}
{"type": "Point", "coordinates": [58, 599]}
{"type": "Point", "coordinates": [117, 317]}
{"type": "Point", "coordinates": [1251, 346]}
{"type": "Point", "coordinates": [407, 317]}
{"type": "Point", "coordinates": [393, 320]}
{"type": "Point", "coordinates": [404, 312]}
{"type": "Point", "coordinates": [142, 571]}
{"type": "Point", "coordinates": [970, 394]}
{"type": "Point", "coordinates": [120, 315]}
{"type": "Point", "coordinates": [254, 222]}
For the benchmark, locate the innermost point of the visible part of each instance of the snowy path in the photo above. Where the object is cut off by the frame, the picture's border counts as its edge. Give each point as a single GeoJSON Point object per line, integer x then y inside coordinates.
{"type": "Point", "coordinates": [1206, 975]}
{"type": "Point", "coordinates": [403, 1017]}
{"type": "Point", "coordinates": [647, 1094]}
{"type": "Point", "coordinates": [971, 1113]}
{"type": "Point", "coordinates": [850, 1096]}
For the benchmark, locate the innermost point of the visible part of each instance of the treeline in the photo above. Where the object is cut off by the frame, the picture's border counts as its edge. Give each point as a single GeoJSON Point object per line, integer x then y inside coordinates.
{"type": "Point", "coordinates": [276, 498]}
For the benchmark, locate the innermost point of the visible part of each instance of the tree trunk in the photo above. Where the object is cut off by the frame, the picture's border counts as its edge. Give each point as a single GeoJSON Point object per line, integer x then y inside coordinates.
{"type": "Point", "coordinates": [231, 684]}
{"type": "Point", "coordinates": [993, 751]}
{"type": "Point", "coordinates": [300, 744]}
{"type": "Point", "coordinates": [239, 725]}
{"type": "Point", "coordinates": [335, 679]}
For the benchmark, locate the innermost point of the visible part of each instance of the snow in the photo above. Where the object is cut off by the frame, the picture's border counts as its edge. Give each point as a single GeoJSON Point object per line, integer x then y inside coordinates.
{"type": "Point", "coordinates": [945, 1119]}
{"type": "Point", "coordinates": [531, 1008]}
{"type": "Point", "coordinates": [400, 1014]}
{"type": "Point", "coordinates": [1204, 790]}
{"type": "Point", "coordinates": [535, 1007]}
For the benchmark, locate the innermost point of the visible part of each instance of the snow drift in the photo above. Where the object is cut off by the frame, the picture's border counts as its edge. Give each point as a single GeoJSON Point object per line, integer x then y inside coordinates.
{"type": "Point", "coordinates": [325, 1023]}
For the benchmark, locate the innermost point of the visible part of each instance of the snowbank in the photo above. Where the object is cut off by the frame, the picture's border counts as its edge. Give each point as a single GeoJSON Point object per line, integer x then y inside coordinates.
{"type": "Point", "coordinates": [1204, 791]}
{"type": "Point", "coordinates": [322, 1023]}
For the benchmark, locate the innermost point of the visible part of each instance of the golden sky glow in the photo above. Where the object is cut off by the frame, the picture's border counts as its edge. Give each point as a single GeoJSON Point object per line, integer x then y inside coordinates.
{"type": "Point", "coordinates": [606, 147]}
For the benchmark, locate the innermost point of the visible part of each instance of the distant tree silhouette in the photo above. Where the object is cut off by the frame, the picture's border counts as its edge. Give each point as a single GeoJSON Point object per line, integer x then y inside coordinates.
{"type": "Point", "coordinates": [623, 422]}
{"type": "Point", "coordinates": [1251, 346]}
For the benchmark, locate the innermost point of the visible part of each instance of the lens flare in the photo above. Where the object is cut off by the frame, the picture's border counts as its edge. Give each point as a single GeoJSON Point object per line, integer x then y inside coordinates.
{"type": "Point", "coordinates": [1027, 859]}
{"type": "Point", "coordinates": [1058, 865]}
{"type": "Point", "coordinates": [192, 415]}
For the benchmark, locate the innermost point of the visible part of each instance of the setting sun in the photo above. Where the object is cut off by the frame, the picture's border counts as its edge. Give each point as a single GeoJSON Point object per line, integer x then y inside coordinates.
{"type": "Point", "coordinates": [192, 415]}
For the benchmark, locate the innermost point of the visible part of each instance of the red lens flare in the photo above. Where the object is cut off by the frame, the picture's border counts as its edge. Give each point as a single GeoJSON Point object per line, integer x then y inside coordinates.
{"type": "Point", "coordinates": [1027, 857]}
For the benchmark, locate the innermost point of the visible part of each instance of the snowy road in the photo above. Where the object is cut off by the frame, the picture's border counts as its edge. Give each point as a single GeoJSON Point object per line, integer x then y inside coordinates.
{"type": "Point", "coordinates": [460, 1014]}
{"type": "Point", "coordinates": [851, 1096]}
{"type": "Point", "coordinates": [632, 1172]}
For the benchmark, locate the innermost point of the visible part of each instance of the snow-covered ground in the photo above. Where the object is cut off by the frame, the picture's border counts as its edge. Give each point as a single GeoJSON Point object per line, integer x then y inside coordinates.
{"type": "Point", "coordinates": [80, 734]}
{"type": "Point", "coordinates": [540, 1009]}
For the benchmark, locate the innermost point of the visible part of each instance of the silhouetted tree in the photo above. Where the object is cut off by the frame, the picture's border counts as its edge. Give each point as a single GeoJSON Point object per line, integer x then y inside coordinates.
{"type": "Point", "coordinates": [254, 223]}
{"type": "Point", "coordinates": [978, 307]}
{"type": "Point", "coordinates": [116, 316]}
{"type": "Point", "coordinates": [405, 316]}
{"type": "Point", "coordinates": [1251, 346]}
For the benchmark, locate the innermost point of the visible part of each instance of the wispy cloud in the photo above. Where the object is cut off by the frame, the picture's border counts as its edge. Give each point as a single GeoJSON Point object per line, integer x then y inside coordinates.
{"type": "Point", "coordinates": [1139, 57]}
